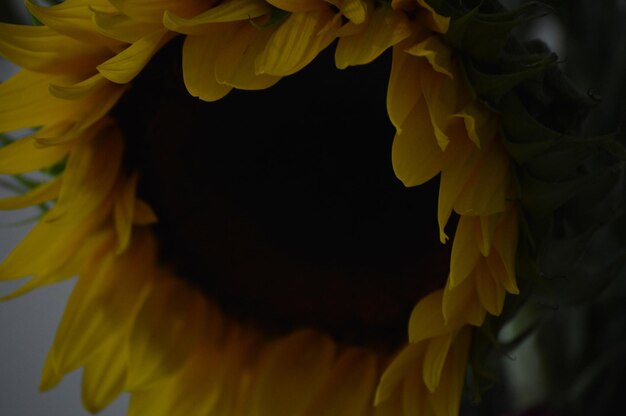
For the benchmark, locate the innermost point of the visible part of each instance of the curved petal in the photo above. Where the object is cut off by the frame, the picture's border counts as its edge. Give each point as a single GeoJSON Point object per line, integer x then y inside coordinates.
{"type": "Point", "coordinates": [125, 66]}
{"type": "Point", "coordinates": [121, 27]}
{"type": "Point", "coordinates": [235, 65]}
{"type": "Point", "coordinates": [42, 193]}
{"type": "Point", "coordinates": [280, 388]}
{"type": "Point", "coordinates": [151, 11]}
{"type": "Point", "coordinates": [297, 42]}
{"type": "Point", "coordinates": [465, 249]}
{"type": "Point", "coordinates": [24, 155]}
{"type": "Point", "coordinates": [199, 56]}
{"type": "Point", "coordinates": [123, 211]}
{"type": "Point", "coordinates": [73, 18]}
{"type": "Point", "coordinates": [437, 54]}
{"type": "Point", "coordinates": [349, 386]}
{"type": "Point", "coordinates": [384, 28]}
{"type": "Point", "coordinates": [41, 49]}
{"type": "Point", "coordinates": [407, 360]}
{"type": "Point", "coordinates": [298, 6]}
{"type": "Point", "coordinates": [435, 358]}
{"type": "Point", "coordinates": [415, 155]}
{"type": "Point", "coordinates": [88, 179]}
{"type": "Point", "coordinates": [171, 312]}
{"type": "Point", "coordinates": [229, 11]}
{"type": "Point", "coordinates": [80, 89]}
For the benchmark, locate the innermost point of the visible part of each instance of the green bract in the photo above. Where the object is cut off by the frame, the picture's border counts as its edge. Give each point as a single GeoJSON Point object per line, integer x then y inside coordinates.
{"type": "Point", "coordinates": [573, 188]}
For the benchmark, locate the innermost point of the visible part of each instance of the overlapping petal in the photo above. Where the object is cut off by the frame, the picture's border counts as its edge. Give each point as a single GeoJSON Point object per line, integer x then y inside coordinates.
{"type": "Point", "coordinates": [228, 11]}
{"type": "Point", "coordinates": [74, 18]}
{"type": "Point", "coordinates": [125, 66]}
{"type": "Point", "coordinates": [199, 56]}
{"type": "Point", "coordinates": [151, 11]}
{"type": "Point", "coordinates": [96, 227]}
{"type": "Point", "coordinates": [297, 42]}
{"type": "Point", "coordinates": [384, 28]}
{"type": "Point", "coordinates": [41, 49]}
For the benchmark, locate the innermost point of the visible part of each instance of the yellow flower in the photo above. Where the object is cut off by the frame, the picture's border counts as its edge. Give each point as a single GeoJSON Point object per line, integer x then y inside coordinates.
{"type": "Point", "coordinates": [131, 322]}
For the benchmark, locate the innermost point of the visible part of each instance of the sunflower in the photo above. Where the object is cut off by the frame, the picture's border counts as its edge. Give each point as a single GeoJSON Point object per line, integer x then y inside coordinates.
{"type": "Point", "coordinates": [204, 286]}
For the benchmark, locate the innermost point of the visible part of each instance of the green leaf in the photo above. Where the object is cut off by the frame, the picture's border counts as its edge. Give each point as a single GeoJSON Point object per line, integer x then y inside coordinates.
{"type": "Point", "coordinates": [493, 86]}
{"type": "Point", "coordinates": [525, 138]}
{"type": "Point", "coordinates": [540, 197]}
{"type": "Point", "coordinates": [484, 35]}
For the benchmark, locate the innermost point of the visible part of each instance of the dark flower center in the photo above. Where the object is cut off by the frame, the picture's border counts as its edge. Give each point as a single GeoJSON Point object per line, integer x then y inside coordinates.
{"type": "Point", "coordinates": [282, 204]}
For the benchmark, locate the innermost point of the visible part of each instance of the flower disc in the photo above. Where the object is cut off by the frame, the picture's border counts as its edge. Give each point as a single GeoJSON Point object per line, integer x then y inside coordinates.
{"type": "Point", "coordinates": [282, 204]}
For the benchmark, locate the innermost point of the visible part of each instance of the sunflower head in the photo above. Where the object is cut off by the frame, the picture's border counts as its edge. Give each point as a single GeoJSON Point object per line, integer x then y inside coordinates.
{"type": "Point", "coordinates": [278, 207]}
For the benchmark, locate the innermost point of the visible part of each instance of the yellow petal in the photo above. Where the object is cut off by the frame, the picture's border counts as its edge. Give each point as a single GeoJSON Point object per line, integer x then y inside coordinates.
{"type": "Point", "coordinates": [446, 399]}
{"type": "Point", "coordinates": [297, 42]}
{"type": "Point", "coordinates": [235, 390]}
{"type": "Point", "coordinates": [143, 213]}
{"type": "Point", "coordinates": [197, 387]}
{"type": "Point", "coordinates": [390, 407]}
{"type": "Point", "coordinates": [487, 228]}
{"type": "Point", "coordinates": [485, 191]}
{"type": "Point", "coordinates": [122, 28]}
{"type": "Point", "coordinates": [123, 211]}
{"type": "Point", "coordinates": [63, 135]}
{"type": "Point", "coordinates": [151, 11]}
{"type": "Point", "coordinates": [415, 155]}
{"type": "Point", "coordinates": [104, 373]}
{"type": "Point", "coordinates": [97, 105]}
{"type": "Point", "coordinates": [385, 28]}
{"type": "Point", "coordinates": [26, 102]}
{"type": "Point", "coordinates": [229, 11]}
{"type": "Point", "coordinates": [50, 375]}
{"type": "Point", "coordinates": [505, 244]}
{"type": "Point", "coordinates": [171, 312]}
{"type": "Point", "coordinates": [481, 125]}
{"type": "Point", "coordinates": [89, 177]}
{"type": "Point", "coordinates": [96, 309]}
{"type": "Point", "coordinates": [39, 48]}
{"type": "Point", "coordinates": [414, 393]}
{"type": "Point", "coordinates": [461, 303]}
{"type": "Point", "coordinates": [42, 193]}
{"type": "Point", "coordinates": [235, 65]}
{"type": "Point", "coordinates": [405, 76]}
{"type": "Point", "coordinates": [55, 244]}
{"type": "Point", "coordinates": [406, 5]}
{"type": "Point", "coordinates": [80, 89]}
{"type": "Point", "coordinates": [433, 20]}
{"type": "Point", "coordinates": [434, 359]}
{"type": "Point", "coordinates": [460, 161]}
{"type": "Point", "coordinates": [427, 320]}
{"type": "Point", "coordinates": [406, 361]}
{"type": "Point", "coordinates": [348, 390]}
{"type": "Point", "coordinates": [490, 292]}
{"type": "Point", "coordinates": [437, 54]}
{"type": "Point", "coordinates": [23, 155]}
{"type": "Point", "coordinates": [465, 250]}
{"type": "Point", "coordinates": [298, 6]}
{"type": "Point", "coordinates": [77, 335]}
{"type": "Point", "coordinates": [350, 29]}
{"type": "Point", "coordinates": [199, 56]}
{"type": "Point", "coordinates": [441, 101]}
{"type": "Point", "coordinates": [123, 67]}
{"type": "Point", "coordinates": [73, 18]}
{"type": "Point", "coordinates": [356, 11]}
{"type": "Point", "coordinates": [280, 388]}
